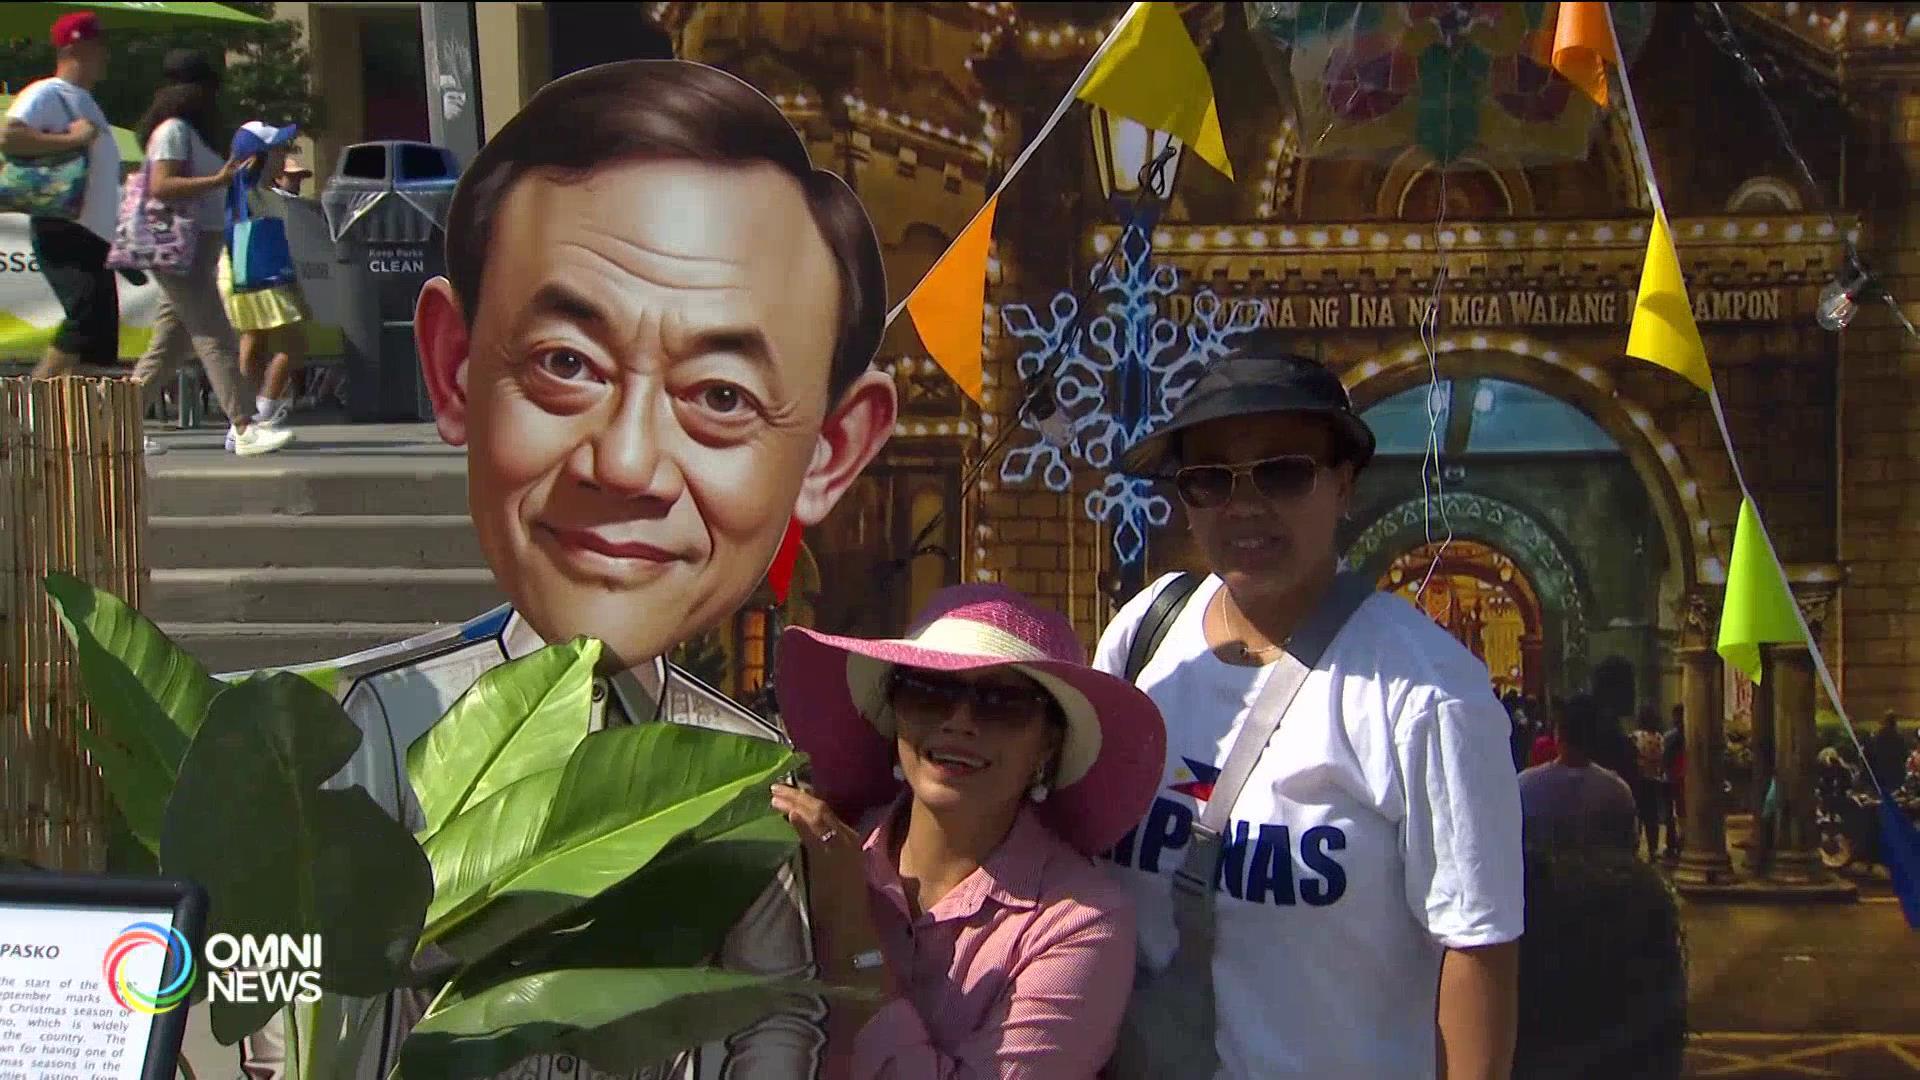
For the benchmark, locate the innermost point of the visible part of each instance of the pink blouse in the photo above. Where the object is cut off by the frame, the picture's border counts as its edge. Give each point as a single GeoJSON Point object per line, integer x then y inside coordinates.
{"type": "Point", "coordinates": [1022, 971]}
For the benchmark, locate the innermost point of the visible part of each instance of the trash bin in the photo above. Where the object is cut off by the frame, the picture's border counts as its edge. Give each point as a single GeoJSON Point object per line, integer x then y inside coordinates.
{"type": "Point", "coordinates": [386, 208]}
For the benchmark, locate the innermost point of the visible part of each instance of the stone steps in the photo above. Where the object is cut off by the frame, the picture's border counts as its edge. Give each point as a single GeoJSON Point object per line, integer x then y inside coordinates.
{"type": "Point", "coordinates": [322, 594]}
{"type": "Point", "coordinates": [399, 488]}
{"type": "Point", "coordinates": [354, 537]}
{"type": "Point", "coordinates": [427, 541]}
{"type": "Point", "coordinates": [228, 647]}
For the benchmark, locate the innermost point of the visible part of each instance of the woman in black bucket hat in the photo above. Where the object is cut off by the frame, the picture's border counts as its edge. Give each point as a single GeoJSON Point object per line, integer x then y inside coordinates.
{"type": "Point", "coordinates": [1369, 869]}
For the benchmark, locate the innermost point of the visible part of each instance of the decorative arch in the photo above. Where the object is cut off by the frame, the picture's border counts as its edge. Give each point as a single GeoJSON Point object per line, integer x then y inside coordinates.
{"type": "Point", "coordinates": [1754, 195]}
{"type": "Point", "coordinates": [1584, 384]}
{"type": "Point", "coordinates": [1519, 584]}
{"type": "Point", "coordinates": [1413, 165]}
{"type": "Point", "coordinates": [1626, 180]}
{"type": "Point", "coordinates": [1560, 589]}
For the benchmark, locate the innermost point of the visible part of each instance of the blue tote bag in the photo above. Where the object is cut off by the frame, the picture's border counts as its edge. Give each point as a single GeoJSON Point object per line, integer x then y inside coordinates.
{"type": "Point", "coordinates": [256, 246]}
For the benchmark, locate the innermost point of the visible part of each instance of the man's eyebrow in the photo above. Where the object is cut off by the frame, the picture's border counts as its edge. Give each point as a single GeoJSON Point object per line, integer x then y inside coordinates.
{"type": "Point", "coordinates": [556, 299]}
{"type": "Point", "coordinates": [744, 340]}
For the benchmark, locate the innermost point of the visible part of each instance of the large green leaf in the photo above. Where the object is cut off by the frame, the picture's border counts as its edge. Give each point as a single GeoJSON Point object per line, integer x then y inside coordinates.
{"type": "Point", "coordinates": [139, 784]}
{"type": "Point", "coordinates": [488, 841]}
{"type": "Point", "coordinates": [520, 718]}
{"type": "Point", "coordinates": [278, 854]}
{"type": "Point", "coordinates": [173, 679]}
{"type": "Point", "coordinates": [621, 1019]}
{"type": "Point", "coordinates": [707, 878]}
{"type": "Point", "coordinates": [126, 853]}
{"type": "Point", "coordinates": [624, 796]}
{"type": "Point", "coordinates": [148, 698]}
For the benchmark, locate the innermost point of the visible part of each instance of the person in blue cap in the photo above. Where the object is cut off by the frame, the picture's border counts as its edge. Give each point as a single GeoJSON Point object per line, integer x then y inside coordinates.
{"type": "Point", "coordinates": [270, 319]}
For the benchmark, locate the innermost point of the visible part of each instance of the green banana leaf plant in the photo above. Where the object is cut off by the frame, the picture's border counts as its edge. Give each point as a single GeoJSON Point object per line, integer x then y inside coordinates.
{"type": "Point", "coordinates": [568, 891]}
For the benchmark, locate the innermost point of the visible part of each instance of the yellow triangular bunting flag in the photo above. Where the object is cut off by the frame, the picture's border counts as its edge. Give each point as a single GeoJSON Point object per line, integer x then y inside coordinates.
{"type": "Point", "coordinates": [948, 303]}
{"type": "Point", "coordinates": [1663, 330]}
{"type": "Point", "coordinates": [1153, 75]}
{"type": "Point", "coordinates": [1759, 608]}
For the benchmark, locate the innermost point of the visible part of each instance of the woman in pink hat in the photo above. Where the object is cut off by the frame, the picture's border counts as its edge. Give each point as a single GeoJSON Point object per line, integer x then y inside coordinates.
{"type": "Point", "coordinates": [987, 765]}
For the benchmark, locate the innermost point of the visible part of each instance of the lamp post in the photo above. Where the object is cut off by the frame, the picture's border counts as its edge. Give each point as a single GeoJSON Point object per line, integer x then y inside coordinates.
{"type": "Point", "coordinates": [1131, 156]}
{"type": "Point", "coordinates": [1123, 149]}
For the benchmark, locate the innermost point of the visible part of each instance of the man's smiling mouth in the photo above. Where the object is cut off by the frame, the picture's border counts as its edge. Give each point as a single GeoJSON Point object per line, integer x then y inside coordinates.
{"type": "Point", "coordinates": [594, 545]}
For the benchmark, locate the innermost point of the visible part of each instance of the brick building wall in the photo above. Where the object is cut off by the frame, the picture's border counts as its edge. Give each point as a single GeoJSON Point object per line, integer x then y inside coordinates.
{"type": "Point", "coordinates": [1880, 431]}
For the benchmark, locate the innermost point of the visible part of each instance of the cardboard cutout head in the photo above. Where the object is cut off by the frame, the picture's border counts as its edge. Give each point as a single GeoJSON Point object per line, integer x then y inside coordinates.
{"type": "Point", "coordinates": [654, 339]}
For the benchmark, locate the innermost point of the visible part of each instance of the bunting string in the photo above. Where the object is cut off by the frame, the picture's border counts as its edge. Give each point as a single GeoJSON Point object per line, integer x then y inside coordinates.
{"type": "Point", "coordinates": [1720, 31]}
{"type": "Point", "coordinates": [1067, 102]}
{"type": "Point", "coordinates": [1040, 392]}
{"type": "Point", "coordinates": [1637, 133]}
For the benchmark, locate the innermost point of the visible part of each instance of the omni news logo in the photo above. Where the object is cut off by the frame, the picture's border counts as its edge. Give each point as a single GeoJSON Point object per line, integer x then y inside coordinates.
{"type": "Point", "coordinates": [279, 969]}
{"type": "Point", "coordinates": [179, 960]}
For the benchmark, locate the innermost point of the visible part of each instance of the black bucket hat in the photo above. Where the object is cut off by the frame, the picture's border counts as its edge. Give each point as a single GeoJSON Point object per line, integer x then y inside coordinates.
{"type": "Point", "coordinates": [1253, 379]}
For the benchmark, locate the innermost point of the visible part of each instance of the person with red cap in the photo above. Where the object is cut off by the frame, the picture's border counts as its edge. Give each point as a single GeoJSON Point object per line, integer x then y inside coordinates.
{"type": "Point", "coordinates": [58, 115]}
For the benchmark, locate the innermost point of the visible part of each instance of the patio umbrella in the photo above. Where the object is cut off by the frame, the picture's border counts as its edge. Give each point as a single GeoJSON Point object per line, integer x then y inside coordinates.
{"type": "Point", "coordinates": [129, 143]}
{"type": "Point", "coordinates": [31, 18]}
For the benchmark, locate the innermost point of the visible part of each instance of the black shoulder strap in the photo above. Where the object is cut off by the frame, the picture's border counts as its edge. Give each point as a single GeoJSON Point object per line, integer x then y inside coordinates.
{"type": "Point", "coordinates": [1158, 620]}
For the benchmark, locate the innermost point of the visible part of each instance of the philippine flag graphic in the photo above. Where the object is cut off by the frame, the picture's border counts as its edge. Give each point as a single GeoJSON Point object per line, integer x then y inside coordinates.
{"type": "Point", "coordinates": [1196, 780]}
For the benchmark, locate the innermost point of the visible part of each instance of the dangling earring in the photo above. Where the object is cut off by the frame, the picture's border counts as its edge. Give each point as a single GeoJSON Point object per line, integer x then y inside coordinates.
{"type": "Point", "coordinates": [898, 772]}
{"type": "Point", "coordinates": [1038, 792]}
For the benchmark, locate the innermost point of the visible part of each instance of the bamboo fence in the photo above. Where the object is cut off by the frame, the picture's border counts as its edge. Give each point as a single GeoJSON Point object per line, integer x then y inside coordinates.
{"type": "Point", "coordinates": [72, 499]}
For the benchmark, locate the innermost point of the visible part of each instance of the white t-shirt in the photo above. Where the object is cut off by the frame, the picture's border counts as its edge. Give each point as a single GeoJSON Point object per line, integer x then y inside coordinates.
{"type": "Point", "coordinates": [1381, 827]}
{"type": "Point", "coordinates": [51, 105]}
{"type": "Point", "coordinates": [175, 140]}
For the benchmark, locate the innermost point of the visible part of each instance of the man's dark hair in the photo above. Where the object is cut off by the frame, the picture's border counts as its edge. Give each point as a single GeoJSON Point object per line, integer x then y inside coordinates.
{"type": "Point", "coordinates": [1578, 724]}
{"type": "Point", "coordinates": [669, 110]}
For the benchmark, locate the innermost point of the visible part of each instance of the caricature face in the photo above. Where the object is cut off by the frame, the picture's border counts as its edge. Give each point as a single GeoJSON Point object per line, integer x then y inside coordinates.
{"type": "Point", "coordinates": [644, 395]}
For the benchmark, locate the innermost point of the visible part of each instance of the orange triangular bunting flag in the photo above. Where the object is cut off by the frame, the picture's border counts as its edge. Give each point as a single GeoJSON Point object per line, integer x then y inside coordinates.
{"type": "Point", "coordinates": [947, 304]}
{"type": "Point", "coordinates": [1583, 47]}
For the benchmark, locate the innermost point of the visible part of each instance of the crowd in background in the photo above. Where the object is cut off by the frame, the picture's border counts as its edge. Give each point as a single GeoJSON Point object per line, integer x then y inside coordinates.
{"type": "Point", "coordinates": [175, 219]}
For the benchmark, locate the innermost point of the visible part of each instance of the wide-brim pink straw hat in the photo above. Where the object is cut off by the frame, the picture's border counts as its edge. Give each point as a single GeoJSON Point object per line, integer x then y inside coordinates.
{"type": "Point", "coordinates": [832, 700]}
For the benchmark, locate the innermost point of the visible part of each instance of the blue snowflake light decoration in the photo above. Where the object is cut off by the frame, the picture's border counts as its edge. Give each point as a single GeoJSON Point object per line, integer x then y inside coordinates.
{"type": "Point", "coordinates": [1116, 381]}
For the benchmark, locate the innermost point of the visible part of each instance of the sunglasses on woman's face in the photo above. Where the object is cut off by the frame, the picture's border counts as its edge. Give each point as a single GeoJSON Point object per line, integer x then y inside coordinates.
{"type": "Point", "coordinates": [924, 695]}
{"type": "Point", "coordinates": [1292, 476]}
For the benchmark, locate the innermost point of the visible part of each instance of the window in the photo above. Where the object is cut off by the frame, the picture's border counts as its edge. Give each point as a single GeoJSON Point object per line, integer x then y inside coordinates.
{"type": "Point", "coordinates": [750, 653]}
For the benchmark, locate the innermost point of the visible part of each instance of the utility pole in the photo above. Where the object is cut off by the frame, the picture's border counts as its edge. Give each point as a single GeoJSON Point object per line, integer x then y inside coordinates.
{"type": "Point", "coordinates": [453, 79]}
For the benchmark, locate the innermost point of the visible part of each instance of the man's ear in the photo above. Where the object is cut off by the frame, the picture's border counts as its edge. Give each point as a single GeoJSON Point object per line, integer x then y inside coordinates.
{"type": "Point", "coordinates": [440, 336]}
{"type": "Point", "coordinates": [854, 431]}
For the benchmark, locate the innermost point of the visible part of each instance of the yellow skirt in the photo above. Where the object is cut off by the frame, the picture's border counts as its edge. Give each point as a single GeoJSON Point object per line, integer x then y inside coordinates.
{"type": "Point", "coordinates": [260, 309]}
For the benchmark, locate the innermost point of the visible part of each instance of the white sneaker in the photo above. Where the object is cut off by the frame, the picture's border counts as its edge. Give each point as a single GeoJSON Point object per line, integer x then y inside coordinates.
{"type": "Point", "coordinates": [155, 447]}
{"type": "Point", "coordinates": [259, 439]}
{"type": "Point", "coordinates": [276, 415]}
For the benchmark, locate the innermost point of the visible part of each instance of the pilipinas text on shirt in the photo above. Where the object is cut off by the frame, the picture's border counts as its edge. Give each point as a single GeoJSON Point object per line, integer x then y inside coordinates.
{"type": "Point", "coordinates": [1257, 863]}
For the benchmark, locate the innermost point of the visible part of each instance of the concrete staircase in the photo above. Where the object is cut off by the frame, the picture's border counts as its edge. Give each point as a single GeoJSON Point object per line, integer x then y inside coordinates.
{"type": "Point", "coordinates": [356, 537]}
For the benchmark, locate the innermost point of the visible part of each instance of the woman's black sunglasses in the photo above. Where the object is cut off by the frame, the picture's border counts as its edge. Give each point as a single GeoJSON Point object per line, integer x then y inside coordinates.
{"type": "Point", "coordinates": [923, 693]}
{"type": "Point", "coordinates": [1292, 476]}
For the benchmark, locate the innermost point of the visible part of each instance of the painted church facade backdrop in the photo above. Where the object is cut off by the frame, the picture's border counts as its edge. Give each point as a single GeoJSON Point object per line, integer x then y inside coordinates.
{"type": "Point", "coordinates": [1580, 517]}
